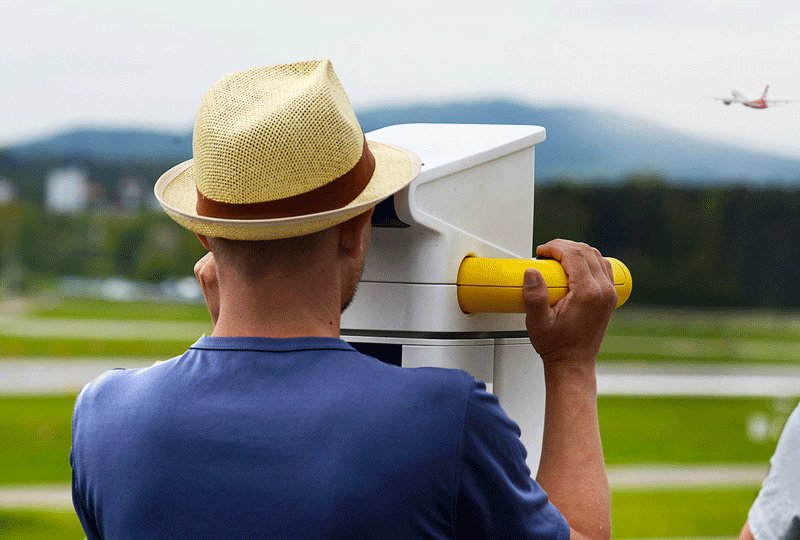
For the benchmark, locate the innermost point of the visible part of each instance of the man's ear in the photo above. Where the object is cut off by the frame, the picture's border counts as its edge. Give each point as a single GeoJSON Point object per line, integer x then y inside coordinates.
{"type": "Point", "coordinates": [203, 240]}
{"type": "Point", "coordinates": [354, 235]}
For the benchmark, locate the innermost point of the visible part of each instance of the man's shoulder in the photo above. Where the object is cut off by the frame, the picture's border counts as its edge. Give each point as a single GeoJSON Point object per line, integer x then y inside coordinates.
{"type": "Point", "coordinates": [108, 386]}
{"type": "Point", "coordinates": [431, 378]}
{"type": "Point", "coordinates": [114, 388]}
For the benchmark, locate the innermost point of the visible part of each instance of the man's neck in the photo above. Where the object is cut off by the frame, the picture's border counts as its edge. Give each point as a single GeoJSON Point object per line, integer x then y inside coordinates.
{"type": "Point", "coordinates": [280, 306]}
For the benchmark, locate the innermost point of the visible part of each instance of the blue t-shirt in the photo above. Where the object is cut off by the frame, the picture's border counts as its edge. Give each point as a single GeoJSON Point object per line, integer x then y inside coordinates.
{"type": "Point", "coordinates": [299, 438]}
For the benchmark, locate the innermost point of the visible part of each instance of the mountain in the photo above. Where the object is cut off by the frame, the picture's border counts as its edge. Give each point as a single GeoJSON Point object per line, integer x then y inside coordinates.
{"type": "Point", "coordinates": [120, 146]}
{"type": "Point", "coordinates": [592, 145]}
{"type": "Point", "coordinates": [582, 144]}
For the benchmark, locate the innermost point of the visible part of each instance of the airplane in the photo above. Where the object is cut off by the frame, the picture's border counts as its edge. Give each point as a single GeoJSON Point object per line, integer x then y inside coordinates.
{"type": "Point", "coordinates": [760, 103]}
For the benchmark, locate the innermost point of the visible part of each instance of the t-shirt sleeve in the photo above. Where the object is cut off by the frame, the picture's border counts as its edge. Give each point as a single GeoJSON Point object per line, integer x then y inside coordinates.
{"type": "Point", "coordinates": [497, 496]}
{"type": "Point", "coordinates": [776, 510]}
{"type": "Point", "coordinates": [79, 501]}
{"type": "Point", "coordinates": [87, 522]}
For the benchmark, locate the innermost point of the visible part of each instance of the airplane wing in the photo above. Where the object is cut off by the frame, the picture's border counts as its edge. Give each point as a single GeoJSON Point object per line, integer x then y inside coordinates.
{"type": "Point", "coordinates": [726, 100]}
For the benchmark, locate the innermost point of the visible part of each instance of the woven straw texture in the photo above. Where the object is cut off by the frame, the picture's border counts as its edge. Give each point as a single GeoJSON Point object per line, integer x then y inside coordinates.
{"type": "Point", "coordinates": [274, 132]}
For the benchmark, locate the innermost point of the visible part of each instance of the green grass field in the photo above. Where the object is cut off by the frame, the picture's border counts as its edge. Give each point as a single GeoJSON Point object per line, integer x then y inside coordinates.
{"type": "Point", "coordinates": [708, 337]}
{"type": "Point", "coordinates": [35, 442]}
{"type": "Point", "coordinates": [82, 308]}
{"type": "Point", "coordinates": [743, 324]}
{"type": "Point", "coordinates": [680, 514]}
{"type": "Point", "coordinates": [679, 430]}
{"type": "Point", "coordinates": [31, 347]}
{"type": "Point", "coordinates": [39, 525]}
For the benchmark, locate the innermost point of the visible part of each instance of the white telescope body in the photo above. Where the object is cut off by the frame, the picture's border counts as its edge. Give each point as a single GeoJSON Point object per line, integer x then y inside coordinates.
{"type": "Point", "coordinates": [474, 196]}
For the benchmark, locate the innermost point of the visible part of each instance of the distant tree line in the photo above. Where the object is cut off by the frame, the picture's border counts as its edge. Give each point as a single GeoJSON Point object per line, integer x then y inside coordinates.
{"type": "Point", "coordinates": [709, 247]}
{"type": "Point", "coordinates": [38, 245]}
{"type": "Point", "coordinates": [686, 246]}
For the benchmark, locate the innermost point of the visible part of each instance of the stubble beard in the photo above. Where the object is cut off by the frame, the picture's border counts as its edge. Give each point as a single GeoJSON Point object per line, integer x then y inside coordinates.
{"type": "Point", "coordinates": [348, 299]}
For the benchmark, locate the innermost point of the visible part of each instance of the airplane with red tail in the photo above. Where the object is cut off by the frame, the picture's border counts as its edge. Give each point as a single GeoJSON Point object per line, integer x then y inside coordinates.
{"type": "Point", "coordinates": [760, 103]}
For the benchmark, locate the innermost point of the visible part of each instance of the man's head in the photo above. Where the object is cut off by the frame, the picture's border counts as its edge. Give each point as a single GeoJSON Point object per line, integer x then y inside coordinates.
{"type": "Point", "coordinates": [336, 254]}
{"type": "Point", "coordinates": [280, 189]}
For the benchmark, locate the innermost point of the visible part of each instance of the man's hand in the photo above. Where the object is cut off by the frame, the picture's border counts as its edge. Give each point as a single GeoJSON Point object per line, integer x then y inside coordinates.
{"type": "Point", "coordinates": [205, 270]}
{"type": "Point", "coordinates": [568, 336]}
{"type": "Point", "coordinates": [572, 330]}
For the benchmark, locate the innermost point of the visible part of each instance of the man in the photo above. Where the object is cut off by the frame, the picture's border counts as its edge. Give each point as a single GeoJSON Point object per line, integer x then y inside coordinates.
{"type": "Point", "coordinates": [775, 514]}
{"type": "Point", "coordinates": [275, 428]}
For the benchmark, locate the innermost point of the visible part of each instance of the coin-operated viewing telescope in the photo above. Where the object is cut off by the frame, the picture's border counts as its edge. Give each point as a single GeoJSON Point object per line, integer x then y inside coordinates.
{"type": "Point", "coordinates": [442, 283]}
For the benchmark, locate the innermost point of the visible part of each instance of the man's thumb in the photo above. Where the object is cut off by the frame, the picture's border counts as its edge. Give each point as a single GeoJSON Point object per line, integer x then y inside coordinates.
{"type": "Point", "coordinates": [535, 297]}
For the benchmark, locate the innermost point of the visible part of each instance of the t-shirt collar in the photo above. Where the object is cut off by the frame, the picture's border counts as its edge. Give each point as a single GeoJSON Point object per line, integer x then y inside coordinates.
{"type": "Point", "coordinates": [270, 344]}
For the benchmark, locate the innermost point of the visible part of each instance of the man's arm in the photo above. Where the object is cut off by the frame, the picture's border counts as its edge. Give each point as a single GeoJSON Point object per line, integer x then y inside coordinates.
{"type": "Point", "coordinates": [568, 336]}
{"type": "Point", "coordinates": [776, 511]}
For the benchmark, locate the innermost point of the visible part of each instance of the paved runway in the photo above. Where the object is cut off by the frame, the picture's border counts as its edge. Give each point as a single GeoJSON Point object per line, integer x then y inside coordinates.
{"type": "Point", "coordinates": [51, 376]}
{"type": "Point", "coordinates": [103, 329]}
{"type": "Point", "coordinates": [686, 379]}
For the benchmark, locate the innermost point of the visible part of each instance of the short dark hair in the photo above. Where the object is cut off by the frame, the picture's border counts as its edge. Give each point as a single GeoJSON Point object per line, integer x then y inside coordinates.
{"type": "Point", "coordinates": [252, 258]}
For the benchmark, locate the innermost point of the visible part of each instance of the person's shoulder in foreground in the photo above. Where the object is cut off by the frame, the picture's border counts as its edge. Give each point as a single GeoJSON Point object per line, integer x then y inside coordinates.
{"type": "Point", "coordinates": [300, 438]}
{"type": "Point", "coordinates": [775, 514]}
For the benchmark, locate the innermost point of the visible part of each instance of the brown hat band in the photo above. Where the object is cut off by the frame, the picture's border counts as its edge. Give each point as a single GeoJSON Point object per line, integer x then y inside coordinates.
{"type": "Point", "coordinates": [337, 193]}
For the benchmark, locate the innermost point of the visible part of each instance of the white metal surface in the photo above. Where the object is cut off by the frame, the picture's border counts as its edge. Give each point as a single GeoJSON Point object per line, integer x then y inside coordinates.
{"type": "Point", "coordinates": [409, 307]}
{"type": "Point", "coordinates": [474, 196]}
{"type": "Point", "coordinates": [476, 360]}
{"type": "Point", "coordinates": [519, 385]}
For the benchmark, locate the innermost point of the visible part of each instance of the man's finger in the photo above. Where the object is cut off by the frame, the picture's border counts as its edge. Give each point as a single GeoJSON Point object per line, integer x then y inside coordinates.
{"type": "Point", "coordinates": [572, 258]}
{"type": "Point", "coordinates": [536, 299]}
{"type": "Point", "coordinates": [595, 262]}
{"type": "Point", "coordinates": [607, 268]}
{"type": "Point", "coordinates": [554, 249]}
{"type": "Point", "coordinates": [601, 267]}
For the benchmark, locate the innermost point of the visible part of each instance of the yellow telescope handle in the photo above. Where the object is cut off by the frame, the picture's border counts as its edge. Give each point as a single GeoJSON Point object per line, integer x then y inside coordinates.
{"type": "Point", "coordinates": [495, 285]}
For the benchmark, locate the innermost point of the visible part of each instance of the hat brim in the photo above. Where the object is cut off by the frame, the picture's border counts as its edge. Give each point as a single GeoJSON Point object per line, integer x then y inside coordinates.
{"type": "Point", "coordinates": [395, 168]}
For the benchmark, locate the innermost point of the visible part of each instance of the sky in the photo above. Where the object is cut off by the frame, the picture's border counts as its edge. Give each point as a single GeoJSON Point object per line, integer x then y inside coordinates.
{"type": "Point", "coordinates": [147, 63]}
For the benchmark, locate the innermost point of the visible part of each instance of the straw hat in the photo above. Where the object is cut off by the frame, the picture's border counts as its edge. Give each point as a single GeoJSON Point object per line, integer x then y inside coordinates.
{"type": "Point", "coordinates": [278, 152]}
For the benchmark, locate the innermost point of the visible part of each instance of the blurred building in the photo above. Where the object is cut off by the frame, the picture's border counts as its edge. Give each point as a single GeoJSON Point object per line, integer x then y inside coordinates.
{"type": "Point", "coordinates": [67, 190]}
{"type": "Point", "coordinates": [131, 193]}
{"type": "Point", "coordinates": [8, 193]}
